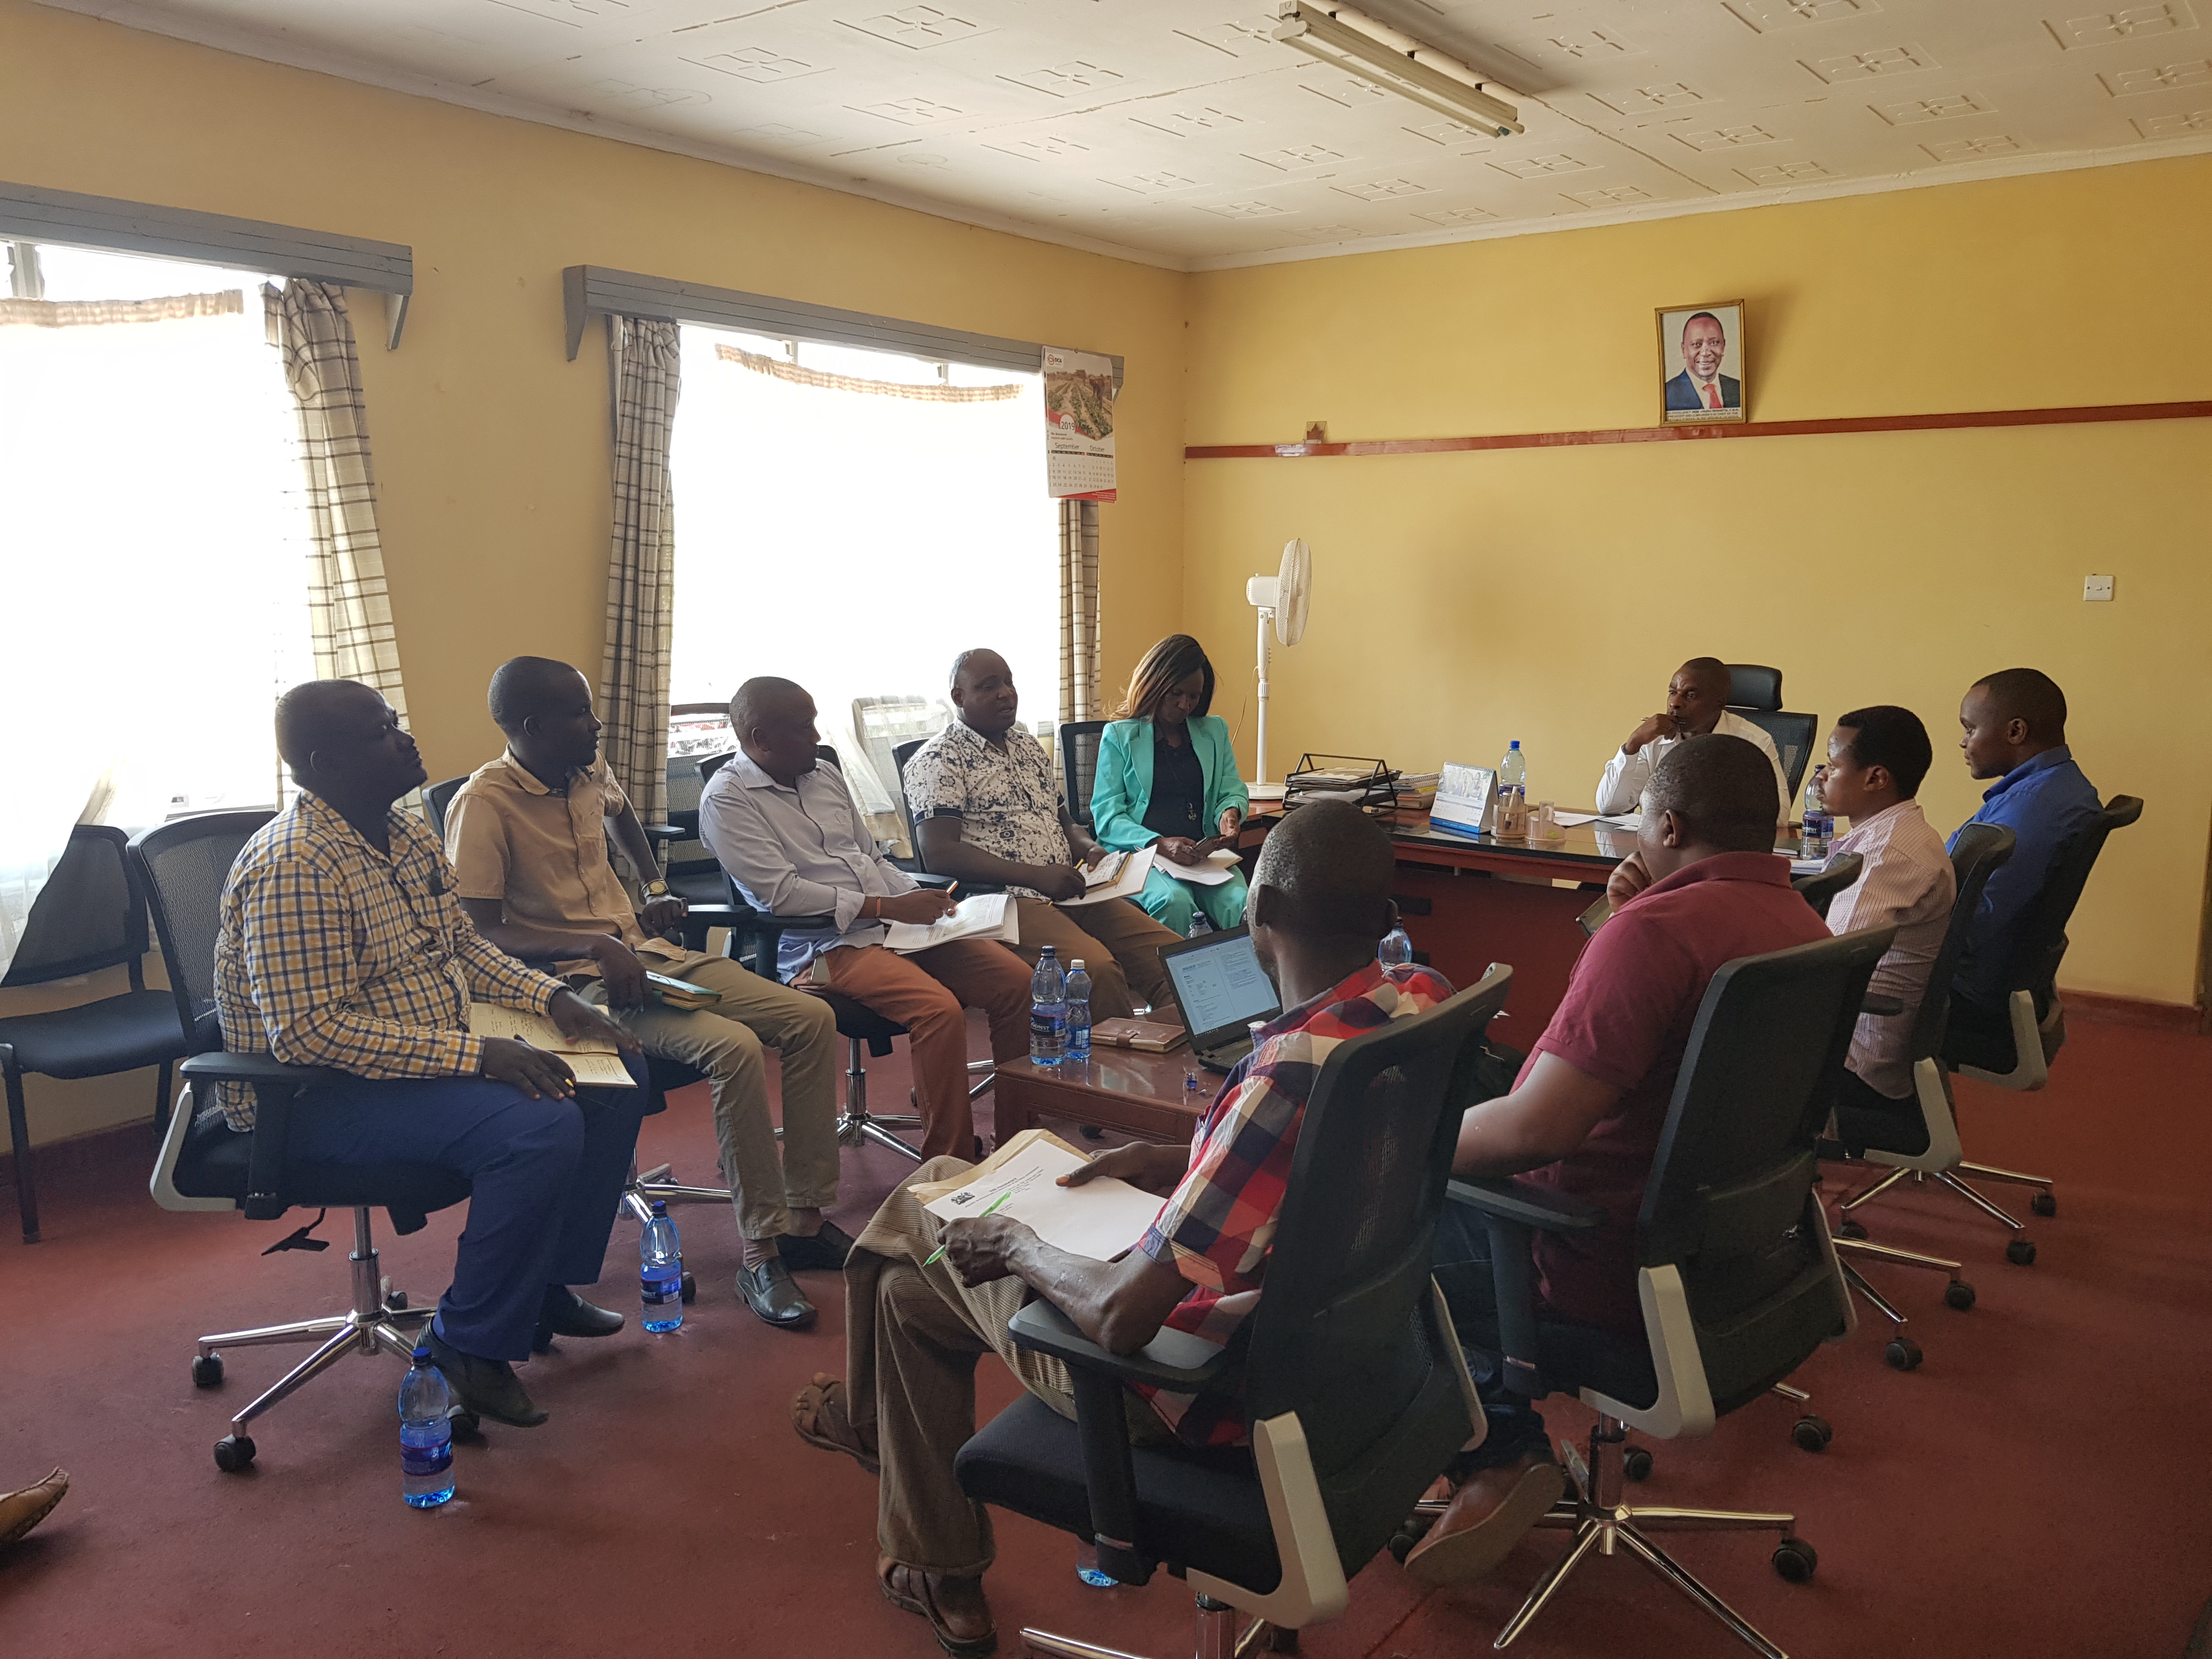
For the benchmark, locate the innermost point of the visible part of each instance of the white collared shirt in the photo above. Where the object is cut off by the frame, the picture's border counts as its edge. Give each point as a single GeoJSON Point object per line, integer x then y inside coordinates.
{"type": "Point", "coordinates": [1907, 883]}
{"type": "Point", "coordinates": [1625, 775]}
{"type": "Point", "coordinates": [803, 851]}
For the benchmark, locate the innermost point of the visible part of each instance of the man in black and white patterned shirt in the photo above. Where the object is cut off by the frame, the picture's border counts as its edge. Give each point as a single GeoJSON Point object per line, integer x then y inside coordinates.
{"type": "Point", "coordinates": [984, 810]}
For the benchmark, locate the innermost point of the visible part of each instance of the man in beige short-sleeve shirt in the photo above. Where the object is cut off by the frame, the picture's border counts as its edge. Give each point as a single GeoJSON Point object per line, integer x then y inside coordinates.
{"type": "Point", "coordinates": [527, 837]}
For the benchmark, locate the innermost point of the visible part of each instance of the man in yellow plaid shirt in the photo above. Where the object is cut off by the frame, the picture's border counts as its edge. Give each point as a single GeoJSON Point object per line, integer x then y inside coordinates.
{"type": "Point", "coordinates": [341, 945]}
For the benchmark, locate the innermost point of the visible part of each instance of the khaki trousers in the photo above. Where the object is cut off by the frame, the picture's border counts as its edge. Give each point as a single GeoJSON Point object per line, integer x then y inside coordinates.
{"type": "Point", "coordinates": [725, 1041]}
{"type": "Point", "coordinates": [926, 992]}
{"type": "Point", "coordinates": [913, 1335]}
{"type": "Point", "coordinates": [1119, 945]}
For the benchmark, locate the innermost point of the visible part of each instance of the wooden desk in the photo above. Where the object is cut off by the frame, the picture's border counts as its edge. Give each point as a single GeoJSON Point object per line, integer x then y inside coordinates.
{"type": "Point", "coordinates": [1138, 1093]}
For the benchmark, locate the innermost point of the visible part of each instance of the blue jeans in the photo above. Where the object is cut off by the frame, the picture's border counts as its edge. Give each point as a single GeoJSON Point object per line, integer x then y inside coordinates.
{"type": "Point", "coordinates": [1461, 1264]}
{"type": "Point", "coordinates": [545, 1178]}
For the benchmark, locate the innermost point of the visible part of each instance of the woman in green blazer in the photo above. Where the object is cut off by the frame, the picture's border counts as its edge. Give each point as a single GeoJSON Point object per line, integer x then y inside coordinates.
{"type": "Point", "coordinates": [1167, 780]}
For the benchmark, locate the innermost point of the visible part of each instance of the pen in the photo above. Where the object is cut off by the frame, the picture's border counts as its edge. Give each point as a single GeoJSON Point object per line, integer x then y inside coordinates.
{"type": "Point", "coordinates": [993, 1205]}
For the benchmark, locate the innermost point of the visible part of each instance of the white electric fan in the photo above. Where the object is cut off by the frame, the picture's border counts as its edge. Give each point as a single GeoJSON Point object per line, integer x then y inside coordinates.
{"type": "Point", "coordinates": [1281, 601]}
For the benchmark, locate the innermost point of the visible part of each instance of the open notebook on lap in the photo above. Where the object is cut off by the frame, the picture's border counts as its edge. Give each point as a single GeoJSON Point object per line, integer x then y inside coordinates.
{"type": "Point", "coordinates": [1221, 990]}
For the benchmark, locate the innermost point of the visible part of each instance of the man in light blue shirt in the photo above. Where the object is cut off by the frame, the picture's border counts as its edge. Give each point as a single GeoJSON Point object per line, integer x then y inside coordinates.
{"type": "Point", "coordinates": [2013, 728]}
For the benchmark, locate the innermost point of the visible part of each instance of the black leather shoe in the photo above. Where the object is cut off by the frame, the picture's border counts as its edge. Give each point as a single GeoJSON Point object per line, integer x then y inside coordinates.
{"type": "Point", "coordinates": [488, 1387]}
{"type": "Point", "coordinates": [827, 1248]}
{"type": "Point", "coordinates": [769, 1291]}
{"type": "Point", "coordinates": [563, 1313]}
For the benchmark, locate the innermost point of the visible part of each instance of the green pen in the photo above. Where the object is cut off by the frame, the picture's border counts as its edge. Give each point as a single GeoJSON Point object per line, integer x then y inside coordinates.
{"type": "Point", "coordinates": [988, 1209]}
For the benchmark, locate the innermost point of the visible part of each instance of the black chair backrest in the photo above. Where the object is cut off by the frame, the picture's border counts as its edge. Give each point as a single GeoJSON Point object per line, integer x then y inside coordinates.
{"type": "Point", "coordinates": [1751, 686]}
{"type": "Point", "coordinates": [1977, 852]}
{"type": "Point", "coordinates": [1345, 1333]}
{"type": "Point", "coordinates": [1820, 889]}
{"type": "Point", "coordinates": [89, 915]}
{"type": "Point", "coordinates": [687, 781]}
{"type": "Point", "coordinates": [1078, 765]}
{"type": "Point", "coordinates": [902, 753]}
{"type": "Point", "coordinates": [2040, 943]}
{"type": "Point", "coordinates": [438, 798]}
{"type": "Point", "coordinates": [1794, 735]}
{"type": "Point", "coordinates": [1726, 1200]}
{"type": "Point", "coordinates": [183, 866]}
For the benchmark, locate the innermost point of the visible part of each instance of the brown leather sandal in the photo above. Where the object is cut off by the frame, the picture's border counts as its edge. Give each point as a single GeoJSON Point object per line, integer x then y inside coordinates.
{"type": "Point", "coordinates": [900, 1584]}
{"type": "Point", "coordinates": [819, 1415]}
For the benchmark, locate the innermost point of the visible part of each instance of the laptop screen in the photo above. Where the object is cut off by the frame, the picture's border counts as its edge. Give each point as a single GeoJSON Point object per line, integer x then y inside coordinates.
{"type": "Point", "coordinates": [1219, 981]}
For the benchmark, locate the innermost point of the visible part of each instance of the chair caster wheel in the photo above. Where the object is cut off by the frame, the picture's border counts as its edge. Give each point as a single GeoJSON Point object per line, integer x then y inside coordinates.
{"type": "Point", "coordinates": [2020, 1253]}
{"type": "Point", "coordinates": [1848, 1228]}
{"type": "Point", "coordinates": [1812, 1433]}
{"type": "Point", "coordinates": [1636, 1463]}
{"type": "Point", "coordinates": [234, 1453]}
{"type": "Point", "coordinates": [1959, 1294]}
{"type": "Point", "coordinates": [207, 1371]}
{"type": "Point", "coordinates": [2044, 1203]}
{"type": "Point", "coordinates": [1401, 1546]}
{"type": "Point", "coordinates": [396, 1300]}
{"type": "Point", "coordinates": [464, 1424]}
{"type": "Point", "coordinates": [1903, 1354]}
{"type": "Point", "coordinates": [1092, 1132]}
{"type": "Point", "coordinates": [1795, 1559]}
{"type": "Point", "coordinates": [691, 1289]}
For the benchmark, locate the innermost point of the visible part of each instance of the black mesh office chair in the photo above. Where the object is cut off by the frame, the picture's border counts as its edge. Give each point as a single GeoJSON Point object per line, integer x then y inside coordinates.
{"type": "Point", "coordinates": [1079, 766]}
{"type": "Point", "coordinates": [1928, 1144]}
{"type": "Point", "coordinates": [1355, 1391]}
{"type": "Point", "coordinates": [1755, 693]}
{"type": "Point", "coordinates": [2014, 1049]}
{"type": "Point", "coordinates": [89, 916]}
{"type": "Point", "coordinates": [1738, 1279]}
{"type": "Point", "coordinates": [205, 1164]}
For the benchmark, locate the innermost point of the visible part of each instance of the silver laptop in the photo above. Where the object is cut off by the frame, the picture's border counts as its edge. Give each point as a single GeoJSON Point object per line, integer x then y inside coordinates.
{"type": "Point", "coordinates": [1222, 990]}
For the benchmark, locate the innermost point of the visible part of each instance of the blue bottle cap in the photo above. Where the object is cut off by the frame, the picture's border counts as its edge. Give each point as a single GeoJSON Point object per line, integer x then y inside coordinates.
{"type": "Point", "coordinates": [422, 1353]}
{"type": "Point", "coordinates": [660, 1206]}
{"type": "Point", "coordinates": [1516, 744]}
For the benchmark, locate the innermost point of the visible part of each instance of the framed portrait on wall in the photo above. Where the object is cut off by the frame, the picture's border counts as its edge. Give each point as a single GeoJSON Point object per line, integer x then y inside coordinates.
{"type": "Point", "coordinates": [1701, 363]}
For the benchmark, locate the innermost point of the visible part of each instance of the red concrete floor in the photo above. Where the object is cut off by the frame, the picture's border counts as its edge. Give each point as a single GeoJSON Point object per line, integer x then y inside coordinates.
{"type": "Point", "coordinates": [2028, 1491]}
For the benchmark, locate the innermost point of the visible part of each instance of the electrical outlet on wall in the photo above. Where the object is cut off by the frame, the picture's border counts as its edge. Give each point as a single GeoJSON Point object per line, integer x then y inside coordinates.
{"type": "Point", "coordinates": [2095, 589]}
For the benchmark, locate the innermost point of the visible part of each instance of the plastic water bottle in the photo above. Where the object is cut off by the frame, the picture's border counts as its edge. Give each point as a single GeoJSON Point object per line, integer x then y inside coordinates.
{"type": "Point", "coordinates": [1513, 792]}
{"type": "Point", "coordinates": [1396, 950]}
{"type": "Point", "coordinates": [1048, 1010]}
{"type": "Point", "coordinates": [1077, 1044]}
{"type": "Point", "coordinates": [426, 1435]}
{"type": "Point", "coordinates": [660, 1272]}
{"type": "Point", "coordinates": [1818, 827]}
{"type": "Point", "coordinates": [1513, 770]}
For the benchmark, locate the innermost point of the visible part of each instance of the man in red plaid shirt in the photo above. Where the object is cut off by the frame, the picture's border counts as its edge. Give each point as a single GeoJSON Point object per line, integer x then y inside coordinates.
{"type": "Point", "coordinates": [1320, 900]}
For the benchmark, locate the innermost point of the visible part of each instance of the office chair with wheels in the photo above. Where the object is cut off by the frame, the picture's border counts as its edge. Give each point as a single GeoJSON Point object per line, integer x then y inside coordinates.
{"type": "Point", "coordinates": [1755, 693]}
{"type": "Point", "coordinates": [90, 915]}
{"type": "Point", "coordinates": [2013, 1050]}
{"type": "Point", "coordinates": [205, 1164]}
{"type": "Point", "coordinates": [1978, 852]}
{"type": "Point", "coordinates": [1355, 1390]}
{"type": "Point", "coordinates": [1079, 766]}
{"type": "Point", "coordinates": [1738, 1280]}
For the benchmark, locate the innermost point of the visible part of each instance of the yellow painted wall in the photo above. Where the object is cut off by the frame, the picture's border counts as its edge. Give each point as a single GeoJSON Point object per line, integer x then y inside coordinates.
{"type": "Point", "coordinates": [1465, 599]}
{"type": "Point", "coordinates": [491, 448]}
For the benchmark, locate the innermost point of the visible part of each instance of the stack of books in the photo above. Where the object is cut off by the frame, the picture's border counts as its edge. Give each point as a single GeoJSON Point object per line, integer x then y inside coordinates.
{"type": "Point", "coordinates": [682, 992]}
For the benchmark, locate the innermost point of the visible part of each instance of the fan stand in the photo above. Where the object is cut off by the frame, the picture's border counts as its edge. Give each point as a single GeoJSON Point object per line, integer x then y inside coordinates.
{"type": "Point", "coordinates": [1260, 745]}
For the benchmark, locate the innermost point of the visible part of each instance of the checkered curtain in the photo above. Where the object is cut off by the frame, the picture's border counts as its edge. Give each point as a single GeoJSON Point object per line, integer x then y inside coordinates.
{"type": "Point", "coordinates": [348, 609]}
{"type": "Point", "coordinates": [647, 374]}
{"type": "Point", "coordinates": [1080, 696]}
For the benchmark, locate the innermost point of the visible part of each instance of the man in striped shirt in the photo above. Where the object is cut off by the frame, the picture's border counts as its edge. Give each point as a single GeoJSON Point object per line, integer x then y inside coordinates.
{"type": "Point", "coordinates": [341, 945]}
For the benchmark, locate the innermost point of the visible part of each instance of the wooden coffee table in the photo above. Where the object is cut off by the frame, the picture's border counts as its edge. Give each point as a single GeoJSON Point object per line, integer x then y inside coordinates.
{"type": "Point", "coordinates": [1139, 1094]}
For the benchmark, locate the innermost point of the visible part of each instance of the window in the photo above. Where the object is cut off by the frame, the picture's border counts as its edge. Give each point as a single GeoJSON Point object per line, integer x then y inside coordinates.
{"type": "Point", "coordinates": [156, 530]}
{"type": "Point", "coordinates": [835, 532]}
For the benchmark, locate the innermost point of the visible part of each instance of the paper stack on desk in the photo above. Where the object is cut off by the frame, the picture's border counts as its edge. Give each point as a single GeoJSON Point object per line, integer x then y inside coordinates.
{"type": "Point", "coordinates": [1102, 1219]}
{"type": "Point", "coordinates": [596, 1062]}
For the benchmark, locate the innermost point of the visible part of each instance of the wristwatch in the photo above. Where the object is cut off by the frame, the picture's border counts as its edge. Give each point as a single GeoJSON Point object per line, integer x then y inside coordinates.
{"type": "Point", "coordinates": [656, 889]}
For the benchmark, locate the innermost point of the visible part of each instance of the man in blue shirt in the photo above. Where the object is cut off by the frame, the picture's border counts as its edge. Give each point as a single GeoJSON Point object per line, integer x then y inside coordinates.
{"type": "Point", "coordinates": [2014, 729]}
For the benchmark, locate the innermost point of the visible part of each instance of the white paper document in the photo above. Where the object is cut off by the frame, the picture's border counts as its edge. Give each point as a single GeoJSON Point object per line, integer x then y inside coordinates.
{"type": "Point", "coordinates": [1126, 885]}
{"type": "Point", "coordinates": [1100, 1219]}
{"type": "Point", "coordinates": [1614, 820]}
{"type": "Point", "coordinates": [595, 1060]}
{"type": "Point", "coordinates": [1211, 871]}
{"type": "Point", "coordinates": [1106, 870]}
{"type": "Point", "coordinates": [986, 916]}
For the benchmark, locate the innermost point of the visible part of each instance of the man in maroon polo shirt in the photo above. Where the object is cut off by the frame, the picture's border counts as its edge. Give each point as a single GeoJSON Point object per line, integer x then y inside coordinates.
{"type": "Point", "coordinates": [1703, 888]}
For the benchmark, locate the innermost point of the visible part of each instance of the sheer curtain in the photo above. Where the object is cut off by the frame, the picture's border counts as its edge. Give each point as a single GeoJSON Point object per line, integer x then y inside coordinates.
{"type": "Point", "coordinates": [152, 535]}
{"type": "Point", "coordinates": [854, 519]}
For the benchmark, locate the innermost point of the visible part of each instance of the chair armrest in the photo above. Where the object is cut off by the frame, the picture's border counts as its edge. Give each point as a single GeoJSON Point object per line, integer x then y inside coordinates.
{"type": "Point", "coordinates": [793, 924]}
{"type": "Point", "coordinates": [1540, 1207]}
{"type": "Point", "coordinates": [924, 878]}
{"type": "Point", "coordinates": [1882, 1005]}
{"type": "Point", "coordinates": [666, 832]}
{"type": "Point", "coordinates": [258, 1069]}
{"type": "Point", "coordinates": [276, 1086]}
{"type": "Point", "coordinates": [1172, 1359]}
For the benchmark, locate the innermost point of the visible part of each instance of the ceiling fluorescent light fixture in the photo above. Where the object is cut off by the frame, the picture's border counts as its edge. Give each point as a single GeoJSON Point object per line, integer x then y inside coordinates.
{"type": "Point", "coordinates": [1396, 62]}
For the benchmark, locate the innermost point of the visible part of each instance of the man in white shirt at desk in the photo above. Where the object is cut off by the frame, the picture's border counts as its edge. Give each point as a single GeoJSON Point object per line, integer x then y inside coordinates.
{"type": "Point", "coordinates": [1697, 704]}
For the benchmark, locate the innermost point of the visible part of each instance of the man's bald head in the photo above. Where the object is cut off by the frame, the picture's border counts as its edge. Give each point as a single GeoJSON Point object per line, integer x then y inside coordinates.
{"type": "Point", "coordinates": [984, 691]}
{"type": "Point", "coordinates": [344, 742]}
{"type": "Point", "coordinates": [523, 686]}
{"type": "Point", "coordinates": [767, 700]}
{"type": "Point", "coordinates": [773, 720]}
{"type": "Point", "coordinates": [1709, 674]}
{"type": "Point", "coordinates": [1332, 865]}
{"type": "Point", "coordinates": [1720, 790]}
